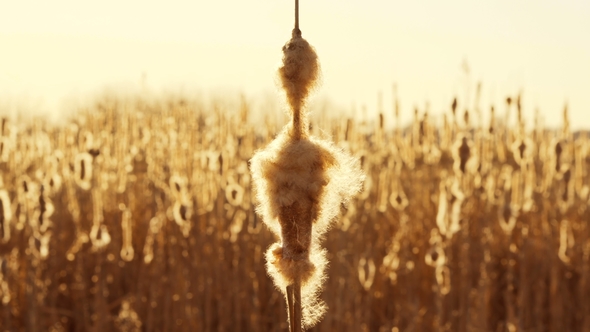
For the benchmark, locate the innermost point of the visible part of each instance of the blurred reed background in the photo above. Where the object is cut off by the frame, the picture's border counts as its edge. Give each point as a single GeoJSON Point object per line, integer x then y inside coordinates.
{"type": "Point", "coordinates": [137, 215]}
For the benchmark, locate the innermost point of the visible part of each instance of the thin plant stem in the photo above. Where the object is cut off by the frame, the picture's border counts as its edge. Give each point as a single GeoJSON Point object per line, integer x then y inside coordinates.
{"type": "Point", "coordinates": [297, 307]}
{"type": "Point", "coordinates": [291, 308]}
{"type": "Point", "coordinates": [296, 14]}
{"type": "Point", "coordinates": [294, 303]}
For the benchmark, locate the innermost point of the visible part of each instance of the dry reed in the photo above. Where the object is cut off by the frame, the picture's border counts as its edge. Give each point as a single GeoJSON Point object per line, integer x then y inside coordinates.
{"type": "Point", "coordinates": [518, 257]}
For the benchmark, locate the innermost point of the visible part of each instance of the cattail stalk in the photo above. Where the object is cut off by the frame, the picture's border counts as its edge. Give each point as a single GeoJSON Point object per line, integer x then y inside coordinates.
{"type": "Point", "coordinates": [300, 182]}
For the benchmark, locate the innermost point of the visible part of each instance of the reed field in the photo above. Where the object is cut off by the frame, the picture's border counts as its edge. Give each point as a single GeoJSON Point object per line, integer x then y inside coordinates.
{"type": "Point", "coordinates": [139, 215]}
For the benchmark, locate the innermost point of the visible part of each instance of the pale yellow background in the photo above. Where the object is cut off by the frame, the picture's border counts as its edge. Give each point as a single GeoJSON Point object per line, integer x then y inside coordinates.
{"type": "Point", "coordinates": [55, 49]}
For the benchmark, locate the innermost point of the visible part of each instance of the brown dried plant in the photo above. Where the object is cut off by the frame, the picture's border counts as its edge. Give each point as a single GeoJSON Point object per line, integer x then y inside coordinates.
{"type": "Point", "coordinates": [300, 182]}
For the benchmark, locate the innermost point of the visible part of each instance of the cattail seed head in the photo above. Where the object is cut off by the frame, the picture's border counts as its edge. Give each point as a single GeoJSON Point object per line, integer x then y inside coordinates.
{"type": "Point", "coordinates": [300, 183]}
{"type": "Point", "coordinates": [5, 216]}
{"type": "Point", "coordinates": [462, 153]}
{"type": "Point", "coordinates": [299, 75]}
{"type": "Point", "coordinates": [83, 170]}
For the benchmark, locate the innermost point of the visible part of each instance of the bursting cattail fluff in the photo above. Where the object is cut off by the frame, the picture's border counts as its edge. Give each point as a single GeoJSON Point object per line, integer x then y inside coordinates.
{"type": "Point", "coordinates": [300, 183]}
{"type": "Point", "coordinates": [299, 75]}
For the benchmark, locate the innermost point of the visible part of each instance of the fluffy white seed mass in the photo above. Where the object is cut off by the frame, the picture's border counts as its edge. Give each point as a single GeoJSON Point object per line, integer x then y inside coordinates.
{"type": "Point", "coordinates": [300, 183]}
{"type": "Point", "coordinates": [299, 73]}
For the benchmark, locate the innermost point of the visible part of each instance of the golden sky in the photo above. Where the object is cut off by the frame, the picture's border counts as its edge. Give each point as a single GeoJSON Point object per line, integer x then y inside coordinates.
{"type": "Point", "coordinates": [55, 49]}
